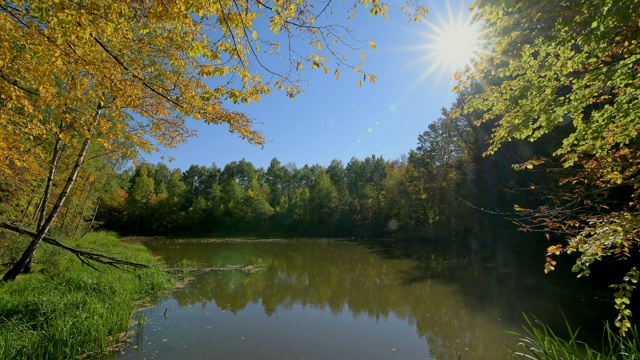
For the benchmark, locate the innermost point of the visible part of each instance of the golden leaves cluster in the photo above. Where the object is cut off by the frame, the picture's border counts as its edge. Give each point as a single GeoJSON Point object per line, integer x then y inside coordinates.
{"type": "Point", "coordinates": [148, 65]}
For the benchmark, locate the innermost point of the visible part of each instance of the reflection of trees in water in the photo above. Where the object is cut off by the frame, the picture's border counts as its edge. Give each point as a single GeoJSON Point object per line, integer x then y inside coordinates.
{"type": "Point", "coordinates": [504, 279]}
{"type": "Point", "coordinates": [344, 276]}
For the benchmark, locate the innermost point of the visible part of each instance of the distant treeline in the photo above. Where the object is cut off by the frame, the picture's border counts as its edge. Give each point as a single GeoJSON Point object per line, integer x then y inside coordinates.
{"type": "Point", "coordinates": [444, 187]}
{"type": "Point", "coordinates": [438, 189]}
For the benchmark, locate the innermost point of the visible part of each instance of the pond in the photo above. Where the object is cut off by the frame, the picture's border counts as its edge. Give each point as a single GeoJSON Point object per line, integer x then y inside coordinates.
{"type": "Point", "coordinates": [322, 299]}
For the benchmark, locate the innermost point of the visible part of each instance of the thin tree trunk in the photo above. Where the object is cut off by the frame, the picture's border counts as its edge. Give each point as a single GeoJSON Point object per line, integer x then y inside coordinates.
{"type": "Point", "coordinates": [24, 214]}
{"type": "Point", "coordinates": [63, 230]}
{"type": "Point", "coordinates": [46, 195]}
{"type": "Point", "coordinates": [80, 216]}
{"type": "Point", "coordinates": [104, 187]}
{"type": "Point", "coordinates": [95, 212]}
{"type": "Point", "coordinates": [135, 230]}
{"type": "Point", "coordinates": [93, 218]}
{"type": "Point", "coordinates": [36, 211]}
{"type": "Point", "coordinates": [59, 229]}
{"type": "Point", "coordinates": [42, 230]}
{"type": "Point", "coordinates": [47, 189]}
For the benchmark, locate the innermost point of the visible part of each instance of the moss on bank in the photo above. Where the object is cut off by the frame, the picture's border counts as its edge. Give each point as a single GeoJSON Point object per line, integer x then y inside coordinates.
{"type": "Point", "coordinates": [65, 309]}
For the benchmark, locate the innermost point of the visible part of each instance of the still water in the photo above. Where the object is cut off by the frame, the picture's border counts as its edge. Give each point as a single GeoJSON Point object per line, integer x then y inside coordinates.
{"type": "Point", "coordinates": [321, 299]}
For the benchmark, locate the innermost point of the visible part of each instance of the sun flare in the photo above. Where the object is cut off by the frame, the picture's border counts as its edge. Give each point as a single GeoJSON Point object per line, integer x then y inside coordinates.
{"type": "Point", "coordinates": [452, 41]}
{"type": "Point", "coordinates": [455, 44]}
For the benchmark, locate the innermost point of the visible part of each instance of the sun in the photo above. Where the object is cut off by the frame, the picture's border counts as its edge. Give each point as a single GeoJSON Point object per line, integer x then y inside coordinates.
{"type": "Point", "coordinates": [455, 44]}
{"type": "Point", "coordinates": [451, 42]}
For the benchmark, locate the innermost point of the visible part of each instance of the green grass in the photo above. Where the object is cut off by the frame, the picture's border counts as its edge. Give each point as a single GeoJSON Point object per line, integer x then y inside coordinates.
{"type": "Point", "coordinates": [541, 343]}
{"type": "Point", "coordinates": [65, 309]}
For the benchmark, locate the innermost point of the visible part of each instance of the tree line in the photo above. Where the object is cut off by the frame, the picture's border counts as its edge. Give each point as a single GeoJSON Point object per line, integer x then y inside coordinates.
{"type": "Point", "coordinates": [444, 188]}
{"type": "Point", "coordinates": [437, 190]}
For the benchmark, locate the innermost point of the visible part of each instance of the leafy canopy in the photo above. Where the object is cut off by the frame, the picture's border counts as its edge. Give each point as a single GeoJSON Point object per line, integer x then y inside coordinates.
{"type": "Point", "coordinates": [147, 65]}
{"type": "Point", "coordinates": [573, 65]}
{"type": "Point", "coordinates": [577, 63]}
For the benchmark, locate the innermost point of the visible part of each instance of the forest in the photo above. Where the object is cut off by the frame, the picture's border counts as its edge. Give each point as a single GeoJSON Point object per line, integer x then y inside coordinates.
{"type": "Point", "coordinates": [443, 187]}
{"type": "Point", "coordinates": [439, 189]}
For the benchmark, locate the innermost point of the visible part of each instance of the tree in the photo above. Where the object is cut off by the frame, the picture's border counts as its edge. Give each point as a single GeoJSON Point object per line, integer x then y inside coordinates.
{"type": "Point", "coordinates": [126, 75]}
{"type": "Point", "coordinates": [571, 65]}
{"type": "Point", "coordinates": [440, 168]}
{"type": "Point", "coordinates": [365, 185]}
{"type": "Point", "coordinates": [275, 178]}
{"type": "Point", "coordinates": [322, 206]}
{"type": "Point", "coordinates": [279, 180]}
{"type": "Point", "coordinates": [141, 194]}
{"type": "Point", "coordinates": [337, 175]}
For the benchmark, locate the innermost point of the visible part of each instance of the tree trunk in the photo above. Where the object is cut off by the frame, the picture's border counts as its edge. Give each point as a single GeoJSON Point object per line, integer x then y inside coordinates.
{"type": "Point", "coordinates": [25, 213]}
{"type": "Point", "coordinates": [36, 211]}
{"type": "Point", "coordinates": [95, 211]}
{"type": "Point", "coordinates": [46, 195]}
{"type": "Point", "coordinates": [93, 218]}
{"type": "Point", "coordinates": [42, 230]}
{"type": "Point", "coordinates": [79, 215]}
{"type": "Point", "coordinates": [104, 187]}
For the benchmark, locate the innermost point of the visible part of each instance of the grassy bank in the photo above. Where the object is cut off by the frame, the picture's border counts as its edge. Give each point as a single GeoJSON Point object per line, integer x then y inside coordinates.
{"type": "Point", "coordinates": [65, 309]}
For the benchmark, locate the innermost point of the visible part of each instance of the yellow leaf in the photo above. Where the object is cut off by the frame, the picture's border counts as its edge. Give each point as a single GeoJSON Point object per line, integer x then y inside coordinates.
{"type": "Point", "coordinates": [372, 44]}
{"type": "Point", "coordinates": [255, 35]}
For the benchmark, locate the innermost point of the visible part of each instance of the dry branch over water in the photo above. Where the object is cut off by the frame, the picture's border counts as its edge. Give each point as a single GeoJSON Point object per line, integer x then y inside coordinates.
{"type": "Point", "coordinates": [249, 269]}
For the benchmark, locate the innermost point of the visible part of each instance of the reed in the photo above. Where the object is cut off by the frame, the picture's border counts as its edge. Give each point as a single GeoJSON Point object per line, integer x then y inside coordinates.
{"type": "Point", "coordinates": [65, 309]}
{"type": "Point", "coordinates": [540, 342]}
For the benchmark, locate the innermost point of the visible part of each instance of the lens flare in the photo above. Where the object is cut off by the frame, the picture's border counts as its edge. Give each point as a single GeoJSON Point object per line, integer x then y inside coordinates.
{"type": "Point", "coordinates": [452, 41]}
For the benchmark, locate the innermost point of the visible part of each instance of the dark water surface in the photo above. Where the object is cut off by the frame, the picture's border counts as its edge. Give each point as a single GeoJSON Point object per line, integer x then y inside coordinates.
{"type": "Point", "coordinates": [321, 299]}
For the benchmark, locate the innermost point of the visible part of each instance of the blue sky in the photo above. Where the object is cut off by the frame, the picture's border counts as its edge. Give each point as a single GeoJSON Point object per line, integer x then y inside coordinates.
{"type": "Point", "coordinates": [334, 119]}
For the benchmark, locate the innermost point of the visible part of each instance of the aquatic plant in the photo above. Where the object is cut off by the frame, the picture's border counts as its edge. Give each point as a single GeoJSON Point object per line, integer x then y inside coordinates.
{"type": "Point", "coordinates": [540, 342]}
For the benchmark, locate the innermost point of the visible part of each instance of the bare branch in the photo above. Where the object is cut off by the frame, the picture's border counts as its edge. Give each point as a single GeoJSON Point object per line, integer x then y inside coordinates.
{"type": "Point", "coordinates": [85, 256]}
{"type": "Point", "coordinates": [14, 82]}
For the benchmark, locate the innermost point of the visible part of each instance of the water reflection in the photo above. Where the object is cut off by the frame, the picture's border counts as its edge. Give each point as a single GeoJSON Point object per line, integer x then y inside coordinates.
{"type": "Point", "coordinates": [328, 299]}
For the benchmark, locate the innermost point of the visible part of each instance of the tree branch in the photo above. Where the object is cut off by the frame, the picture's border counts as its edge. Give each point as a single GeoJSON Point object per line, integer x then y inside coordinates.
{"type": "Point", "coordinates": [137, 77]}
{"type": "Point", "coordinates": [84, 256]}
